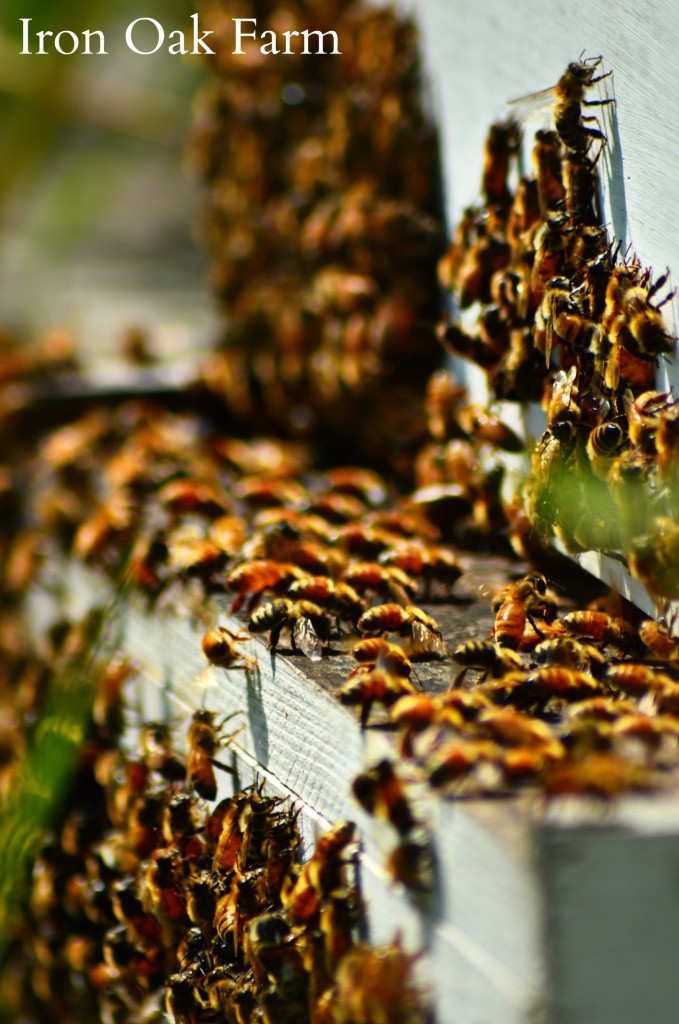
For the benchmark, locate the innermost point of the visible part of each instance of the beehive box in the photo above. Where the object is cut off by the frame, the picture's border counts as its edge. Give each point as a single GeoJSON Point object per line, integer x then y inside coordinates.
{"type": "Point", "coordinates": [564, 912]}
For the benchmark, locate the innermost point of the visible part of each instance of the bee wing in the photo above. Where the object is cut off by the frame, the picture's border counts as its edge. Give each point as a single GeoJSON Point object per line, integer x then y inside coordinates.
{"type": "Point", "coordinates": [425, 644]}
{"type": "Point", "coordinates": [306, 638]}
{"type": "Point", "coordinates": [534, 103]}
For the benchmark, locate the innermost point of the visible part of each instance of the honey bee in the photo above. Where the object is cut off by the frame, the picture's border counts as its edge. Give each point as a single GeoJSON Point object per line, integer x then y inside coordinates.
{"type": "Point", "coordinates": [547, 162]}
{"type": "Point", "coordinates": [220, 648]}
{"type": "Point", "coordinates": [203, 743]}
{"type": "Point", "coordinates": [646, 333]}
{"type": "Point", "coordinates": [359, 482]}
{"type": "Point", "coordinates": [381, 792]}
{"type": "Point", "coordinates": [459, 757]}
{"type": "Point", "coordinates": [523, 214]}
{"type": "Point", "coordinates": [442, 397]}
{"type": "Point", "coordinates": [489, 254]}
{"type": "Point", "coordinates": [659, 641]}
{"type": "Point", "coordinates": [471, 346]}
{"type": "Point", "coordinates": [251, 579]}
{"type": "Point", "coordinates": [600, 626]}
{"type": "Point", "coordinates": [338, 597]}
{"type": "Point", "coordinates": [483, 654]}
{"type": "Point", "coordinates": [635, 679]}
{"type": "Point", "coordinates": [412, 862]}
{"type": "Point", "coordinates": [653, 557]}
{"type": "Point", "coordinates": [514, 605]}
{"type": "Point", "coordinates": [381, 976]}
{"type": "Point", "coordinates": [603, 443]}
{"type": "Point", "coordinates": [550, 242]}
{"type": "Point", "coordinates": [566, 683]}
{"type": "Point", "coordinates": [517, 377]}
{"type": "Point", "coordinates": [370, 685]}
{"type": "Point", "coordinates": [563, 403]}
{"type": "Point", "coordinates": [502, 144]}
{"type": "Point", "coordinates": [386, 580]}
{"type": "Point", "coordinates": [163, 889]}
{"type": "Point", "coordinates": [487, 428]}
{"type": "Point", "coordinates": [321, 875]}
{"type": "Point", "coordinates": [380, 653]}
{"type": "Point", "coordinates": [568, 95]}
{"type": "Point", "coordinates": [158, 753]}
{"type": "Point", "coordinates": [362, 540]}
{"type": "Point", "coordinates": [308, 623]}
{"type": "Point", "coordinates": [408, 621]}
{"type": "Point", "coordinates": [570, 653]}
{"type": "Point", "coordinates": [429, 563]}
{"type": "Point", "coordinates": [598, 774]}
{"type": "Point", "coordinates": [581, 189]}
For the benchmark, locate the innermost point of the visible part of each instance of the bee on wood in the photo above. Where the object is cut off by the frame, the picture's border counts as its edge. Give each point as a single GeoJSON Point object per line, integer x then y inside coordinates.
{"type": "Point", "coordinates": [581, 189]}
{"type": "Point", "coordinates": [484, 654]}
{"type": "Point", "coordinates": [220, 648]}
{"type": "Point", "coordinates": [380, 653]}
{"type": "Point", "coordinates": [370, 685]}
{"type": "Point", "coordinates": [547, 163]}
{"type": "Point", "coordinates": [603, 775]}
{"type": "Point", "coordinates": [158, 753]}
{"type": "Point", "coordinates": [203, 743]}
{"type": "Point", "coordinates": [251, 579]}
{"type": "Point", "coordinates": [609, 629]}
{"type": "Point", "coordinates": [429, 563]}
{"type": "Point", "coordinates": [514, 605]}
{"type": "Point", "coordinates": [359, 483]}
{"type": "Point", "coordinates": [338, 597]}
{"type": "Point", "coordinates": [321, 875]}
{"type": "Point", "coordinates": [658, 640]}
{"type": "Point", "coordinates": [370, 977]}
{"type": "Point", "coordinates": [412, 862]}
{"type": "Point", "coordinates": [470, 346]}
{"type": "Point", "coordinates": [502, 146]}
{"type": "Point", "coordinates": [308, 622]}
{"type": "Point", "coordinates": [569, 98]}
{"type": "Point", "coordinates": [487, 428]}
{"type": "Point", "coordinates": [571, 653]}
{"type": "Point", "coordinates": [381, 792]}
{"type": "Point", "coordinates": [653, 558]}
{"type": "Point", "coordinates": [385, 580]}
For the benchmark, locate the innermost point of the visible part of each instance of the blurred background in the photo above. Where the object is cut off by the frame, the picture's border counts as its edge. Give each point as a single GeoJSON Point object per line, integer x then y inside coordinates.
{"type": "Point", "coordinates": [96, 201]}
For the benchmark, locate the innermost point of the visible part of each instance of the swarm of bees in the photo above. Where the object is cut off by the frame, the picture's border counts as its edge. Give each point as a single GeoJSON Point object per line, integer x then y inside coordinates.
{"type": "Point", "coordinates": [322, 216]}
{"type": "Point", "coordinates": [566, 319]}
{"type": "Point", "coordinates": [151, 900]}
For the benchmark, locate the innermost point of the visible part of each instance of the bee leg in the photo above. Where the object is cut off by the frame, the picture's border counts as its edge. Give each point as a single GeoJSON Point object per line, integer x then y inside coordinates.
{"type": "Point", "coordinates": [220, 764]}
{"type": "Point", "coordinates": [597, 103]}
{"type": "Point", "coordinates": [532, 622]}
{"type": "Point", "coordinates": [275, 635]}
{"type": "Point", "coordinates": [459, 678]}
{"type": "Point", "coordinates": [365, 712]}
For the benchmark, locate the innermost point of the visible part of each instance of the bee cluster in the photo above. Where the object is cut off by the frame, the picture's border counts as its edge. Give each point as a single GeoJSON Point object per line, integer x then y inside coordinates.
{"type": "Point", "coordinates": [150, 902]}
{"type": "Point", "coordinates": [323, 219]}
{"type": "Point", "coordinates": [564, 319]}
